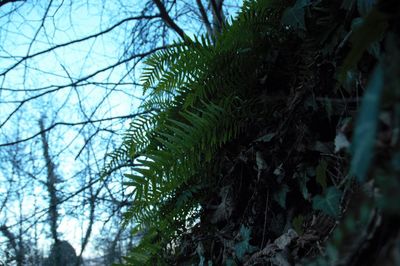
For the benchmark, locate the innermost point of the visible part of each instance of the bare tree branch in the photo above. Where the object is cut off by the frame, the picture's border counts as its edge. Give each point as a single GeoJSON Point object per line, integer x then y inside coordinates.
{"type": "Point", "coordinates": [78, 77]}
{"type": "Point", "coordinates": [28, 56]}
{"type": "Point", "coordinates": [218, 16]}
{"type": "Point", "coordinates": [73, 124]}
{"type": "Point", "coordinates": [23, 102]}
{"type": "Point", "coordinates": [168, 20]}
{"type": "Point", "coordinates": [19, 256]}
{"type": "Point", "coordinates": [204, 17]}
{"type": "Point", "coordinates": [4, 2]}
{"type": "Point", "coordinates": [51, 184]}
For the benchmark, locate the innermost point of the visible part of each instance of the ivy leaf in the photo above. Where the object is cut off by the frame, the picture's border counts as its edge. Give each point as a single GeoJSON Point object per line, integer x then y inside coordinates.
{"type": "Point", "coordinates": [369, 31]}
{"type": "Point", "coordinates": [294, 16]}
{"type": "Point", "coordinates": [341, 142]}
{"type": "Point", "coordinates": [302, 180]}
{"type": "Point", "coordinates": [329, 203]}
{"type": "Point", "coordinates": [243, 247]}
{"type": "Point", "coordinates": [280, 196]}
{"type": "Point", "coordinates": [366, 126]}
{"type": "Point", "coordinates": [225, 208]}
{"type": "Point", "coordinates": [261, 164]}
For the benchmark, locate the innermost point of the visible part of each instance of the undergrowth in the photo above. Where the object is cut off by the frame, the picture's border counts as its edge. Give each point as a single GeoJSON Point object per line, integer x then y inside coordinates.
{"type": "Point", "coordinates": [273, 143]}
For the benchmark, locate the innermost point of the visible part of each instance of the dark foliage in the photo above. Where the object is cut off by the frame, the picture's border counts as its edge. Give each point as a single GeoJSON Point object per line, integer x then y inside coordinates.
{"type": "Point", "coordinates": [247, 158]}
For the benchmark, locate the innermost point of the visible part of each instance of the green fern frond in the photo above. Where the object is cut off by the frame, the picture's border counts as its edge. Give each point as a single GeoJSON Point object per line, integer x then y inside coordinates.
{"type": "Point", "coordinates": [198, 133]}
{"type": "Point", "coordinates": [198, 90]}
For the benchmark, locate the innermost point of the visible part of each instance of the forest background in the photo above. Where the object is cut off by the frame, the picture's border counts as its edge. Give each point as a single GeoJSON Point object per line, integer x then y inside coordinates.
{"type": "Point", "coordinates": [69, 88]}
{"type": "Point", "coordinates": [270, 137]}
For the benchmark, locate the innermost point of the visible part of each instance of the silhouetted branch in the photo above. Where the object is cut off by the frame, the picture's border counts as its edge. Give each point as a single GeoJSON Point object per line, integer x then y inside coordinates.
{"type": "Point", "coordinates": [28, 56]}
{"type": "Point", "coordinates": [168, 20]}
{"type": "Point", "coordinates": [204, 17]}
{"type": "Point", "coordinates": [73, 124]}
{"type": "Point", "coordinates": [23, 102]}
{"type": "Point", "coordinates": [4, 2]}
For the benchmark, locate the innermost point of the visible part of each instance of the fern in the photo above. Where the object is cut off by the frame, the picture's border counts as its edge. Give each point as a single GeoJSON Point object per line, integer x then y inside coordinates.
{"type": "Point", "coordinates": [198, 102]}
{"type": "Point", "coordinates": [188, 139]}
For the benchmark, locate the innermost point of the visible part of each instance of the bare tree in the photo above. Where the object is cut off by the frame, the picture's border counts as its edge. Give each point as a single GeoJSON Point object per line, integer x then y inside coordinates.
{"type": "Point", "coordinates": [51, 186]}
{"type": "Point", "coordinates": [78, 64]}
{"type": "Point", "coordinates": [15, 244]}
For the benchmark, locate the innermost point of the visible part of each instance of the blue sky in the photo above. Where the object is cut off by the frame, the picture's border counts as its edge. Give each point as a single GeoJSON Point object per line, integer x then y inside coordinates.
{"type": "Point", "coordinates": [109, 93]}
